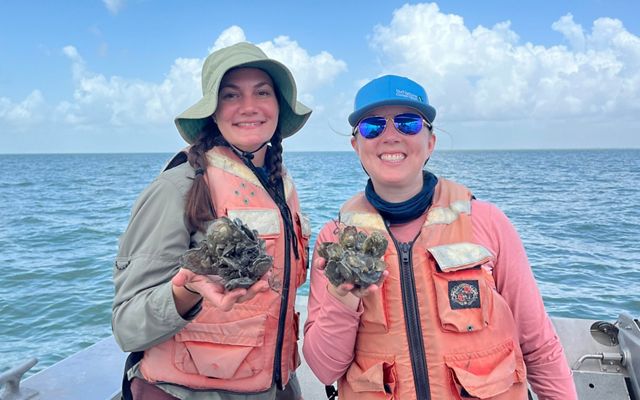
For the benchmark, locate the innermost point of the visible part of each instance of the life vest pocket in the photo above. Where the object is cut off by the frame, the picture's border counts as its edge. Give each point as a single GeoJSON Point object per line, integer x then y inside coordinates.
{"type": "Point", "coordinates": [464, 299]}
{"type": "Point", "coordinates": [374, 317]}
{"type": "Point", "coordinates": [372, 377]}
{"type": "Point", "coordinates": [229, 350]}
{"type": "Point", "coordinates": [486, 373]}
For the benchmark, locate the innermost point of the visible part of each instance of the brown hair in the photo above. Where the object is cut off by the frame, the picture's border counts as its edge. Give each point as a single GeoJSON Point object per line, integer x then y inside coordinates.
{"type": "Point", "coordinates": [199, 207]}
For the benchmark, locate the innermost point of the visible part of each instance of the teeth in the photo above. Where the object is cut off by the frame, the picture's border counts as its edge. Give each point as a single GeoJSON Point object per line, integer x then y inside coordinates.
{"type": "Point", "coordinates": [392, 157]}
{"type": "Point", "coordinates": [248, 124]}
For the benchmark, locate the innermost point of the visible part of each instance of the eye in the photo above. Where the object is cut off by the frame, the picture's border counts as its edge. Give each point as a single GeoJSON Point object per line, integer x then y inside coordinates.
{"type": "Point", "coordinates": [228, 95]}
{"type": "Point", "coordinates": [265, 92]}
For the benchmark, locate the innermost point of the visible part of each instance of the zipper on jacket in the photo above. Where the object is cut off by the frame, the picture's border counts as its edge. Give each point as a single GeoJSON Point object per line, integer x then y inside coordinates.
{"type": "Point", "coordinates": [278, 197]}
{"type": "Point", "coordinates": [284, 302]}
{"type": "Point", "coordinates": [289, 236]}
{"type": "Point", "coordinates": [412, 321]}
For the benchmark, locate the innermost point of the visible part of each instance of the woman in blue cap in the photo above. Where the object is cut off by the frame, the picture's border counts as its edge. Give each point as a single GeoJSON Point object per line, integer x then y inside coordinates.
{"type": "Point", "coordinates": [457, 313]}
{"type": "Point", "coordinates": [191, 338]}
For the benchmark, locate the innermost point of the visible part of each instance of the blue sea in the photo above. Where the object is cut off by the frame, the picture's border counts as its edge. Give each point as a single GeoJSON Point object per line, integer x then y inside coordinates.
{"type": "Point", "coordinates": [578, 213]}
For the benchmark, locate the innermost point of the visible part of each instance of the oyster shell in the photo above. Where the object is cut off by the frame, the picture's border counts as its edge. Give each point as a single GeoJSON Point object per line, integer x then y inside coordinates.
{"type": "Point", "coordinates": [356, 258]}
{"type": "Point", "coordinates": [232, 251]}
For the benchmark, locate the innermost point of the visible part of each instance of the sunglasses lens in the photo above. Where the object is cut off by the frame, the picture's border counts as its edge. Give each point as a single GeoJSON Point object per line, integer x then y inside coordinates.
{"type": "Point", "coordinates": [409, 124]}
{"type": "Point", "coordinates": [372, 127]}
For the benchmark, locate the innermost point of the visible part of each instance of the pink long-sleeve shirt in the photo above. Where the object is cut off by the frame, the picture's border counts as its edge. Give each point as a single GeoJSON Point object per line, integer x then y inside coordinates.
{"type": "Point", "coordinates": [331, 328]}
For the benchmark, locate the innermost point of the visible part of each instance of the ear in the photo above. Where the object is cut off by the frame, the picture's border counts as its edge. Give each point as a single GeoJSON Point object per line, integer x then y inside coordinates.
{"type": "Point", "coordinates": [431, 144]}
{"type": "Point", "coordinates": [354, 144]}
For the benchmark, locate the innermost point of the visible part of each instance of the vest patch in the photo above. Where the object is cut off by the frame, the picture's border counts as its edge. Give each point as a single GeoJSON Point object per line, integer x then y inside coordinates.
{"type": "Point", "coordinates": [464, 294]}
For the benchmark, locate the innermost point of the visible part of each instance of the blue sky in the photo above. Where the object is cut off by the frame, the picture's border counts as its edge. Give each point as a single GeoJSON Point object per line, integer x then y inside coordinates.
{"type": "Point", "coordinates": [109, 76]}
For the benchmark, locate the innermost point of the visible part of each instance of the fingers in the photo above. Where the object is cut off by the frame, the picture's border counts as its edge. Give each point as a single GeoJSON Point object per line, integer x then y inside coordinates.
{"type": "Point", "coordinates": [211, 288]}
{"type": "Point", "coordinates": [319, 262]}
{"type": "Point", "coordinates": [346, 288]}
{"type": "Point", "coordinates": [384, 276]}
{"type": "Point", "coordinates": [182, 277]}
{"type": "Point", "coordinates": [258, 287]}
{"type": "Point", "coordinates": [229, 299]}
{"type": "Point", "coordinates": [224, 300]}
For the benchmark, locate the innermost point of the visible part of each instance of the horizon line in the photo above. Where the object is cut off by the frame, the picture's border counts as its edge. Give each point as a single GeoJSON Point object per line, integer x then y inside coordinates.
{"type": "Point", "coordinates": [331, 151]}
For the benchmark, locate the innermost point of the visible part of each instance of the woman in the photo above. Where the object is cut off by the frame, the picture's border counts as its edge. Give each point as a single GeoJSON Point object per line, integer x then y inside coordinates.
{"type": "Point", "coordinates": [457, 314]}
{"type": "Point", "coordinates": [198, 341]}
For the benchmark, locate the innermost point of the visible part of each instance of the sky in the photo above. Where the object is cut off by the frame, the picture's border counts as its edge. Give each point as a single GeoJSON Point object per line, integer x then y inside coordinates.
{"type": "Point", "coordinates": [102, 76]}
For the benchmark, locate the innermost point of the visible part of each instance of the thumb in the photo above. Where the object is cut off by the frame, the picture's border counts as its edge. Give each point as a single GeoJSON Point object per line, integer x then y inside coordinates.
{"type": "Point", "coordinates": [181, 278]}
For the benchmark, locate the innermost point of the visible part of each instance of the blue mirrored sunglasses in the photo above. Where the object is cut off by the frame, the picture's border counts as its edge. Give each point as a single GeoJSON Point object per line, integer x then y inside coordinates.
{"type": "Point", "coordinates": [407, 124]}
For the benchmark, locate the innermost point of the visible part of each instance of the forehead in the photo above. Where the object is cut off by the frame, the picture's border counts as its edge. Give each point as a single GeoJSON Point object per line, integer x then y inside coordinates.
{"type": "Point", "coordinates": [390, 110]}
{"type": "Point", "coordinates": [251, 76]}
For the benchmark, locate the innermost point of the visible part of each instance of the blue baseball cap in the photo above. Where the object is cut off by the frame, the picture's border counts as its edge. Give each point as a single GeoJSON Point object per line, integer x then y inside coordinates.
{"type": "Point", "coordinates": [391, 90]}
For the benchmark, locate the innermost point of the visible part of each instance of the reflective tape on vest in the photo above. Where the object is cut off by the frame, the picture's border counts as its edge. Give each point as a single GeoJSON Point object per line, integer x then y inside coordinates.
{"type": "Point", "coordinates": [446, 215]}
{"type": "Point", "coordinates": [265, 221]}
{"type": "Point", "coordinates": [242, 171]}
{"type": "Point", "coordinates": [363, 220]}
{"type": "Point", "coordinates": [452, 257]}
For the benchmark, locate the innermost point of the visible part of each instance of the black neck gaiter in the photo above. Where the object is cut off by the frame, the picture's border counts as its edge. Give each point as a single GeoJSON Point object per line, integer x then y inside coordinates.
{"type": "Point", "coordinates": [399, 213]}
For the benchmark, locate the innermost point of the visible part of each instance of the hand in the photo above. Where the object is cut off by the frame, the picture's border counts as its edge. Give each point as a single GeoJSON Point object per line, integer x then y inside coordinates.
{"type": "Point", "coordinates": [346, 288]}
{"type": "Point", "coordinates": [210, 287]}
{"type": "Point", "coordinates": [346, 292]}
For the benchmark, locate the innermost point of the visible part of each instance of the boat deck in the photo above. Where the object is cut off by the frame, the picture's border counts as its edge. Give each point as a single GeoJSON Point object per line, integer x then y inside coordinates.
{"type": "Point", "coordinates": [600, 370]}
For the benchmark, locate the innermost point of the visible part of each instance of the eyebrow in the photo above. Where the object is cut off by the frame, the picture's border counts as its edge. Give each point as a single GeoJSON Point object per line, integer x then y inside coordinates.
{"type": "Point", "coordinates": [234, 86]}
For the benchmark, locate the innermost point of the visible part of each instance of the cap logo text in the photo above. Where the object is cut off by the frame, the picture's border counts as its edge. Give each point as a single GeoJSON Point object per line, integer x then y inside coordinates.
{"type": "Point", "coordinates": [409, 95]}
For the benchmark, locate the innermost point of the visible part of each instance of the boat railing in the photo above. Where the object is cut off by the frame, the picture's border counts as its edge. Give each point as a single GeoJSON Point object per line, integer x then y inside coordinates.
{"type": "Point", "coordinates": [11, 381]}
{"type": "Point", "coordinates": [92, 373]}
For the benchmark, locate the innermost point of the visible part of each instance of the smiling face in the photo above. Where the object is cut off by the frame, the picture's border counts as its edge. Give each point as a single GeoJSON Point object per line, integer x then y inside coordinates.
{"type": "Point", "coordinates": [394, 160]}
{"type": "Point", "coordinates": [247, 112]}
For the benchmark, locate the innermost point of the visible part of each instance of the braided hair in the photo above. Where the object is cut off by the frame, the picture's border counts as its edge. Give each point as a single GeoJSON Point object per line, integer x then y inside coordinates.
{"type": "Point", "coordinates": [273, 162]}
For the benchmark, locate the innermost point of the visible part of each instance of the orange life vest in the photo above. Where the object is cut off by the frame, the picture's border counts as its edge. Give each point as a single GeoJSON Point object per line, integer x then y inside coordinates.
{"type": "Point", "coordinates": [463, 339]}
{"type": "Point", "coordinates": [236, 350]}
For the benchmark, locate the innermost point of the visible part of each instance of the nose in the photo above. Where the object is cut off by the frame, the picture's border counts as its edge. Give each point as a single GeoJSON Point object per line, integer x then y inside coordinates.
{"type": "Point", "coordinates": [390, 132]}
{"type": "Point", "coordinates": [247, 105]}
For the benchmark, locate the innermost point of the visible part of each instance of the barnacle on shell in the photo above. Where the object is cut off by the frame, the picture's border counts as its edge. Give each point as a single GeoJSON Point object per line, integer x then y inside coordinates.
{"type": "Point", "coordinates": [356, 258]}
{"type": "Point", "coordinates": [232, 251]}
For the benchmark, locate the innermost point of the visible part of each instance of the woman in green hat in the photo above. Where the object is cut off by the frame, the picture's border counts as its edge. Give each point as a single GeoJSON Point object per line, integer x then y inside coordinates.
{"type": "Point", "coordinates": [189, 337]}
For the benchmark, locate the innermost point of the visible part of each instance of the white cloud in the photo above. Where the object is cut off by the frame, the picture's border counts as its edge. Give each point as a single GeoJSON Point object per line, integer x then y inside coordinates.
{"type": "Point", "coordinates": [571, 31]}
{"type": "Point", "coordinates": [229, 36]}
{"type": "Point", "coordinates": [23, 114]}
{"type": "Point", "coordinates": [487, 73]}
{"type": "Point", "coordinates": [99, 101]}
{"type": "Point", "coordinates": [114, 6]}
{"type": "Point", "coordinates": [310, 72]}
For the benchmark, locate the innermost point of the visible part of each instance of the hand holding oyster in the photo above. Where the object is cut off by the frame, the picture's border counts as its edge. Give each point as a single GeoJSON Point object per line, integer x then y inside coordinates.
{"type": "Point", "coordinates": [355, 259]}
{"type": "Point", "coordinates": [232, 251]}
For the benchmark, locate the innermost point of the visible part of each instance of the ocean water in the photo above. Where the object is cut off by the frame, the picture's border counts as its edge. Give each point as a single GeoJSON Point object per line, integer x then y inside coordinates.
{"type": "Point", "coordinates": [578, 213]}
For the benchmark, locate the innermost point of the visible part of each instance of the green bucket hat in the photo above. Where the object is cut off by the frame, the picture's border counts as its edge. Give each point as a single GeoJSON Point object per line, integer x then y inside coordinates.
{"type": "Point", "coordinates": [292, 115]}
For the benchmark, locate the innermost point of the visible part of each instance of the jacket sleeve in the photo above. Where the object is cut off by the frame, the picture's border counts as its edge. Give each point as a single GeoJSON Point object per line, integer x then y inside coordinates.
{"type": "Point", "coordinates": [144, 312]}
{"type": "Point", "coordinates": [547, 369]}
{"type": "Point", "coordinates": [331, 328]}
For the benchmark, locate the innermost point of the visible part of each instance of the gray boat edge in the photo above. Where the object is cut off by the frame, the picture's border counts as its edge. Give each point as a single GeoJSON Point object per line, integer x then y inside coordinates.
{"type": "Point", "coordinates": [604, 357]}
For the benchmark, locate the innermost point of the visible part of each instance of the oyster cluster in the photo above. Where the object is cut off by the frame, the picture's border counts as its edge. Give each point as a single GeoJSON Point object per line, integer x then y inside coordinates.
{"type": "Point", "coordinates": [232, 251]}
{"type": "Point", "coordinates": [356, 258]}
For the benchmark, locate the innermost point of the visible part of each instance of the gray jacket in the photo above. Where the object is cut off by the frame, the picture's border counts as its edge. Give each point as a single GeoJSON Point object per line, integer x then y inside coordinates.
{"type": "Point", "coordinates": [144, 312]}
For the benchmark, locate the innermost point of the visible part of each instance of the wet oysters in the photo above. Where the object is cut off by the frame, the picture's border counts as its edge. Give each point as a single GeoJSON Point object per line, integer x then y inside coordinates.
{"type": "Point", "coordinates": [232, 251]}
{"type": "Point", "coordinates": [355, 258]}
